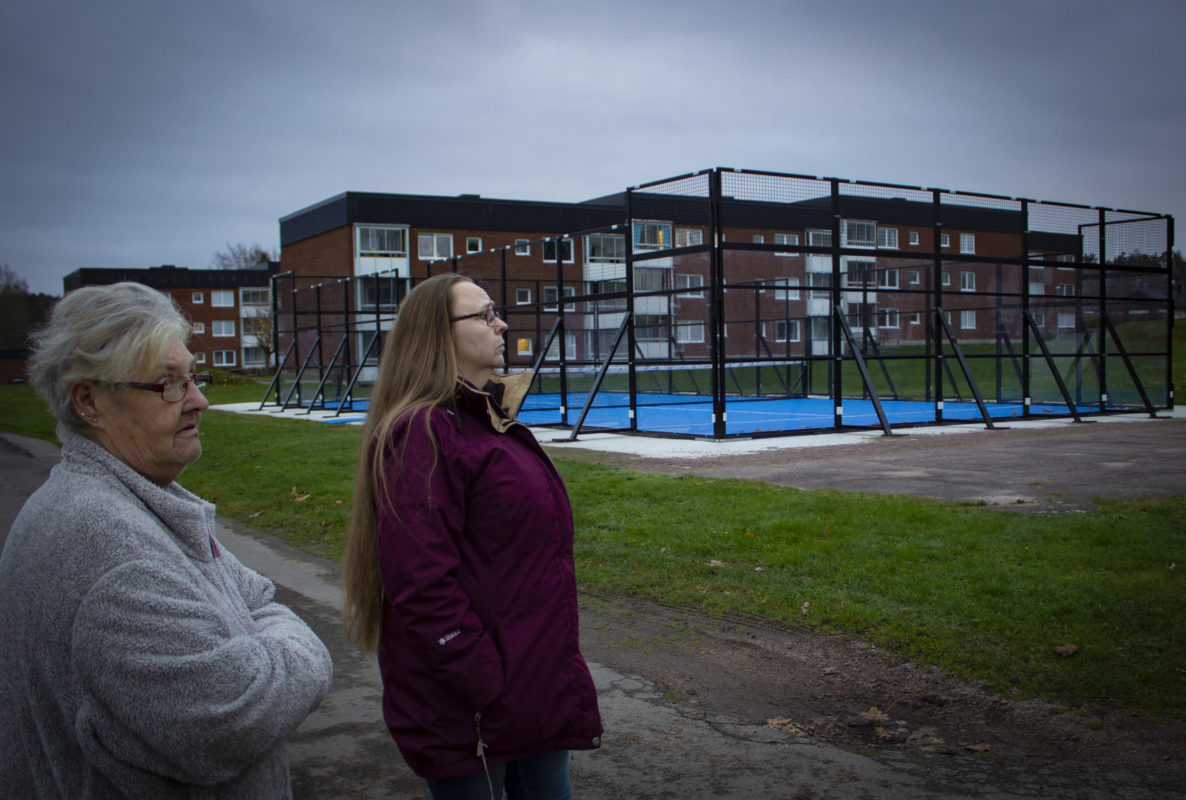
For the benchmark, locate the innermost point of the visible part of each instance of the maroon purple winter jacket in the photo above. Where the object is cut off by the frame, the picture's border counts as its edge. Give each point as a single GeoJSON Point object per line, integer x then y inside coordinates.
{"type": "Point", "coordinates": [480, 596]}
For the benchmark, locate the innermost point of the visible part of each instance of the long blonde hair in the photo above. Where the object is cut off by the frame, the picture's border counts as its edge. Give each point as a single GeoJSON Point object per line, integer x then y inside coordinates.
{"type": "Point", "coordinates": [417, 372]}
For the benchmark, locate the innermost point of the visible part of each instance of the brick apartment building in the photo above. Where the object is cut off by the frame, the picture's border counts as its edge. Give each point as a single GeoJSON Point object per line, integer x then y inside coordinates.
{"type": "Point", "coordinates": [230, 309]}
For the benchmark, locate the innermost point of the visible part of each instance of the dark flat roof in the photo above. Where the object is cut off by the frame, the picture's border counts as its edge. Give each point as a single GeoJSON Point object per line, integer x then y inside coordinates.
{"type": "Point", "coordinates": [170, 277]}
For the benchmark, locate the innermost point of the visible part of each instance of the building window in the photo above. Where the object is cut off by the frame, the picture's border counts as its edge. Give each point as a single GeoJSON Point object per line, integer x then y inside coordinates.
{"type": "Point", "coordinates": [382, 241]}
{"type": "Point", "coordinates": [759, 238]}
{"type": "Point", "coordinates": [819, 238]}
{"type": "Point", "coordinates": [223, 327]}
{"type": "Point", "coordinates": [1066, 320]}
{"type": "Point", "coordinates": [915, 277]}
{"type": "Point", "coordinates": [786, 288]}
{"type": "Point", "coordinates": [688, 282]}
{"type": "Point", "coordinates": [888, 318]}
{"type": "Point", "coordinates": [605, 248]}
{"type": "Point", "coordinates": [200, 357]}
{"type": "Point", "coordinates": [1065, 289]}
{"type": "Point", "coordinates": [222, 298]}
{"type": "Point", "coordinates": [197, 298]}
{"type": "Point", "coordinates": [688, 237]}
{"type": "Point", "coordinates": [968, 320]}
{"type": "Point", "coordinates": [256, 326]}
{"type": "Point", "coordinates": [1037, 288]}
{"type": "Point", "coordinates": [889, 278]}
{"type": "Point", "coordinates": [861, 273]}
{"type": "Point", "coordinates": [254, 356]}
{"type": "Point", "coordinates": [786, 330]}
{"type": "Point", "coordinates": [435, 246]}
{"type": "Point", "coordinates": [1040, 318]}
{"type": "Point", "coordinates": [651, 235]}
{"type": "Point", "coordinates": [689, 332]}
{"type": "Point", "coordinates": [524, 346]}
{"type": "Point", "coordinates": [887, 237]}
{"type": "Point", "coordinates": [224, 358]}
{"type": "Point", "coordinates": [916, 318]}
{"type": "Point", "coordinates": [791, 239]}
{"type": "Point", "coordinates": [946, 278]}
{"type": "Point", "coordinates": [522, 247]}
{"type": "Point", "coordinates": [967, 281]}
{"type": "Point", "coordinates": [199, 328]}
{"type": "Point", "coordinates": [254, 297]}
{"type": "Point", "coordinates": [550, 303]}
{"type": "Point", "coordinates": [914, 238]}
{"type": "Point", "coordinates": [967, 243]}
{"type": "Point", "coordinates": [522, 297]}
{"type": "Point", "coordinates": [944, 240]}
{"type": "Point", "coordinates": [473, 244]}
{"type": "Point", "coordinates": [565, 249]}
{"type": "Point", "coordinates": [858, 233]}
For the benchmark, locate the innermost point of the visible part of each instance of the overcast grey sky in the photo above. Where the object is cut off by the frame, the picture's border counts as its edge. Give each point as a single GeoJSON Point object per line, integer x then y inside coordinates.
{"type": "Point", "coordinates": [142, 133]}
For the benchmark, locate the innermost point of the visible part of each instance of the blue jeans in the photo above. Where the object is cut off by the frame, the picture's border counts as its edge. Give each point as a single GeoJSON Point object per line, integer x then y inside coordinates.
{"type": "Point", "coordinates": [542, 777]}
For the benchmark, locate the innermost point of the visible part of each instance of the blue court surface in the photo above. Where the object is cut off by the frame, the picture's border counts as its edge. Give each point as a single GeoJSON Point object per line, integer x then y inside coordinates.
{"type": "Point", "coordinates": [682, 415]}
{"type": "Point", "coordinates": [691, 415]}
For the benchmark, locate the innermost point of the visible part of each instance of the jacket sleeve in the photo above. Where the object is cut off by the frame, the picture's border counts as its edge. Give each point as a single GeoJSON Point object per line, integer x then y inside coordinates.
{"type": "Point", "coordinates": [175, 685]}
{"type": "Point", "coordinates": [420, 523]}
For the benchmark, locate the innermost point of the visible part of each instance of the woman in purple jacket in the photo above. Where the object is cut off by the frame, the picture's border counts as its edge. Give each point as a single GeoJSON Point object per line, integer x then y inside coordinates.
{"type": "Point", "coordinates": [459, 567]}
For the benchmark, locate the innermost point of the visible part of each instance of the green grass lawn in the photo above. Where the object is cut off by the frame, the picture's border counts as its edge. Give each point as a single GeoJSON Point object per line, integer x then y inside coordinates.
{"type": "Point", "coordinates": [988, 595]}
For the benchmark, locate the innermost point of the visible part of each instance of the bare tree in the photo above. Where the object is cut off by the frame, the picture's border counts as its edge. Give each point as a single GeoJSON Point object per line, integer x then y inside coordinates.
{"type": "Point", "coordinates": [244, 256]}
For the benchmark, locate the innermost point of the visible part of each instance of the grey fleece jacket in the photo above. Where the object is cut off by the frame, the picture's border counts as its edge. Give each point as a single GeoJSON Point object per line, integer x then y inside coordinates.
{"type": "Point", "coordinates": [137, 657]}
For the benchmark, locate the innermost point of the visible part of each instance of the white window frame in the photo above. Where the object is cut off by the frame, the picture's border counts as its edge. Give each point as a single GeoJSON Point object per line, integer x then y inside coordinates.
{"type": "Point", "coordinates": [1037, 288]}
{"type": "Point", "coordinates": [218, 328]}
{"type": "Point", "coordinates": [968, 243]}
{"type": "Point", "coordinates": [888, 279]}
{"type": "Point", "coordinates": [688, 237]}
{"type": "Point", "coordinates": [789, 239]}
{"type": "Point", "coordinates": [690, 284]}
{"type": "Point", "coordinates": [522, 247]}
{"type": "Point", "coordinates": [1066, 320]}
{"type": "Point", "coordinates": [199, 328]}
{"type": "Point", "coordinates": [197, 298]}
{"type": "Point", "coordinates": [524, 351]}
{"type": "Point", "coordinates": [819, 237]}
{"type": "Point", "coordinates": [888, 318]}
{"type": "Point", "coordinates": [781, 326]}
{"type": "Point", "coordinates": [916, 318]}
{"type": "Point", "coordinates": [945, 240]}
{"type": "Point", "coordinates": [248, 293]}
{"type": "Point", "coordinates": [651, 234]}
{"type": "Point", "coordinates": [381, 243]}
{"type": "Point", "coordinates": [759, 238]}
{"type": "Point", "coordinates": [915, 277]}
{"type": "Point", "coordinates": [550, 303]}
{"type": "Point", "coordinates": [1064, 289]}
{"type": "Point", "coordinates": [865, 230]}
{"type": "Point", "coordinates": [968, 319]}
{"type": "Point", "coordinates": [887, 238]}
{"type": "Point", "coordinates": [605, 248]}
{"type": "Point", "coordinates": [434, 246]}
{"type": "Point", "coordinates": [967, 281]}
{"type": "Point", "coordinates": [222, 298]}
{"type": "Point", "coordinates": [786, 287]}
{"type": "Point", "coordinates": [522, 297]}
{"type": "Point", "coordinates": [249, 351]}
{"type": "Point", "coordinates": [200, 357]}
{"type": "Point", "coordinates": [567, 250]}
{"type": "Point", "coordinates": [914, 240]}
{"type": "Point", "coordinates": [946, 278]}
{"type": "Point", "coordinates": [689, 332]}
{"type": "Point", "coordinates": [224, 358]}
{"type": "Point", "coordinates": [473, 244]}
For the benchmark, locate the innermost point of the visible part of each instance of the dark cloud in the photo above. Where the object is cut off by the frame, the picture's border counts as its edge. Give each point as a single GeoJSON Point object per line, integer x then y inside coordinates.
{"type": "Point", "coordinates": [137, 134]}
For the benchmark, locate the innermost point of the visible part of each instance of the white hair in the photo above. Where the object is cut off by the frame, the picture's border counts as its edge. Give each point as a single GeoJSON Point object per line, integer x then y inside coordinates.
{"type": "Point", "coordinates": [101, 333]}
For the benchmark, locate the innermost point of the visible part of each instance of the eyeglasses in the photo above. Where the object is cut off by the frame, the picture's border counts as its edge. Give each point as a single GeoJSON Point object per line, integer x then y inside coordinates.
{"type": "Point", "coordinates": [172, 389]}
{"type": "Point", "coordinates": [487, 315]}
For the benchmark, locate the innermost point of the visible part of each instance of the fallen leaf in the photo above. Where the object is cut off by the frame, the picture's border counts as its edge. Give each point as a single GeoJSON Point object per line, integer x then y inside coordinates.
{"type": "Point", "coordinates": [978, 748]}
{"type": "Point", "coordinates": [337, 502]}
{"type": "Point", "coordinates": [254, 515]}
{"type": "Point", "coordinates": [715, 563]}
{"type": "Point", "coordinates": [750, 533]}
{"type": "Point", "coordinates": [875, 714]}
{"type": "Point", "coordinates": [297, 497]}
{"type": "Point", "coordinates": [1066, 650]}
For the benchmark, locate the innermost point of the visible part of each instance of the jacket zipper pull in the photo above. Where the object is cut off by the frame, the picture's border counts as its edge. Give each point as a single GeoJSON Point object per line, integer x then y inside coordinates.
{"type": "Point", "coordinates": [478, 728]}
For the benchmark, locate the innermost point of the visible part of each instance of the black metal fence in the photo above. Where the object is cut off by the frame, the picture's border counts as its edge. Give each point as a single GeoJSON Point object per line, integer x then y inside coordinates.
{"type": "Point", "coordinates": [885, 305]}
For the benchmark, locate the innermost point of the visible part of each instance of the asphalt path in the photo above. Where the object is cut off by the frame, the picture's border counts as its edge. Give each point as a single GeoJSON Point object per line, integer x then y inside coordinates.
{"type": "Point", "coordinates": [656, 746]}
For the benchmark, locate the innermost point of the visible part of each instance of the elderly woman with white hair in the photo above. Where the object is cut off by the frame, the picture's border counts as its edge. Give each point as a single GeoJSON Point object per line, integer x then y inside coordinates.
{"type": "Point", "coordinates": [139, 657]}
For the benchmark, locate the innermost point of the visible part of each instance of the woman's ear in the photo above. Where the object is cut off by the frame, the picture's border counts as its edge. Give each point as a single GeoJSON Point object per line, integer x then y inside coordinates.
{"type": "Point", "coordinates": [82, 396]}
